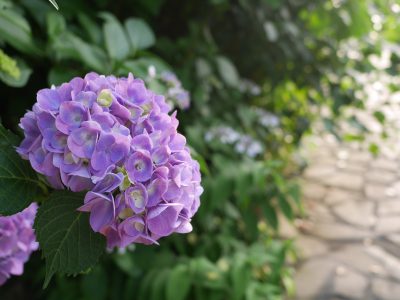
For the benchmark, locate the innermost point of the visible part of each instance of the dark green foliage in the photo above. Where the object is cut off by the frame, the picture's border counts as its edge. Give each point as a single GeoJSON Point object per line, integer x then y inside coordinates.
{"type": "Point", "coordinates": [67, 242]}
{"type": "Point", "coordinates": [19, 184]}
{"type": "Point", "coordinates": [239, 59]}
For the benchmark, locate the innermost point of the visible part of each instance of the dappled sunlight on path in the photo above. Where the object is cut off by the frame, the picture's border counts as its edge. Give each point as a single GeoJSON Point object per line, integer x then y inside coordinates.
{"type": "Point", "coordinates": [350, 239]}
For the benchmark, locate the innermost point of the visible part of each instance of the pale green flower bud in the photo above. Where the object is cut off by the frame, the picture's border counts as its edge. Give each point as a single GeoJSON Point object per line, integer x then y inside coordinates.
{"type": "Point", "coordinates": [105, 98]}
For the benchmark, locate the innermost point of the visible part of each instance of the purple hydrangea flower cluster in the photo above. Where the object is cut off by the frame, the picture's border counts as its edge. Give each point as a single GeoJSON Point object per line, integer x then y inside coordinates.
{"type": "Point", "coordinates": [17, 241]}
{"type": "Point", "coordinates": [114, 138]}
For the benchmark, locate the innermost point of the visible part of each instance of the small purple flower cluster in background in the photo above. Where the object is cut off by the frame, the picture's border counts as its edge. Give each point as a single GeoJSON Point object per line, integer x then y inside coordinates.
{"type": "Point", "coordinates": [17, 241]}
{"type": "Point", "coordinates": [267, 119]}
{"type": "Point", "coordinates": [170, 86]}
{"type": "Point", "coordinates": [175, 90]}
{"type": "Point", "coordinates": [114, 138]}
{"type": "Point", "coordinates": [243, 143]}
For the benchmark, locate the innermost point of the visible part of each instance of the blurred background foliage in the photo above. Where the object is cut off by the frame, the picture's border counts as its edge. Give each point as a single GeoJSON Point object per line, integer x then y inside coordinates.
{"type": "Point", "coordinates": [259, 73]}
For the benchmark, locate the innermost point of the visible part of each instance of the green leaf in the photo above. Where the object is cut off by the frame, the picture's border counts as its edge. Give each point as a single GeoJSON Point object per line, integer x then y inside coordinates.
{"type": "Point", "coordinates": [285, 207]}
{"type": "Point", "coordinates": [349, 137]}
{"type": "Point", "coordinates": [227, 71]}
{"type": "Point", "coordinates": [18, 182]}
{"type": "Point", "coordinates": [288, 283]}
{"type": "Point", "coordinates": [24, 74]}
{"type": "Point", "coordinates": [68, 242]}
{"type": "Point", "coordinates": [58, 75]}
{"type": "Point", "coordinates": [153, 7]}
{"type": "Point", "coordinates": [200, 159]}
{"type": "Point", "coordinates": [270, 214]}
{"type": "Point", "coordinates": [9, 66]}
{"type": "Point", "coordinates": [5, 4]}
{"type": "Point", "coordinates": [147, 283]}
{"type": "Point", "coordinates": [207, 274]}
{"type": "Point", "coordinates": [260, 291]}
{"type": "Point", "coordinates": [92, 29]}
{"type": "Point", "coordinates": [94, 285]}
{"type": "Point", "coordinates": [380, 116]}
{"type": "Point", "coordinates": [140, 34]}
{"type": "Point", "coordinates": [273, 3]}
{"type": "Point", "coordinates": [158, 284]}
{"type": "Point", "coordinates": [241, 276]}
{"type": "Point", "coordinates": [126, 263]}
{"type": "Point", "coordinates": [7, 138]}
{"type": "Point", "coordinates": [115, 38]}
{"type": "Point", "coordinates": [374, 149]}
{"type": "Point", "coordinates": [54, 3]}
{"type": "Point", "coordinates": [222, 188]}
{"type": "Point", "coordinates": [139, 67]}
{"type": "Point", "coordinates": [68, 45]}
{"type": "Point", "coordinates": [37, 9]}
{"type": "Point", "coordinates": [135, 67]}
{"type": "Point", "coordinates": [360, 18]}
{"type": "Point", "coordinates": [92, 56]}
{"type": "Point", "coordinates": [203, 68]}
{"type": "Point", "coordinates": [178, 284]}
{"type": "Point", "coordinates": [295, 193]}
{"type": "Point", "coordinates": [55, 24]}
{"type": "Point", "coordinates": [15, 30]}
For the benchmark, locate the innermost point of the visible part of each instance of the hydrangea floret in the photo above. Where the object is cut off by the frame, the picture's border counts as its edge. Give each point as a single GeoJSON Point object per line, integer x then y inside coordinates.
{"type": "Point", "coordinates": [17, 242]}
{"type": "Point", "coordinates": [115, 139]}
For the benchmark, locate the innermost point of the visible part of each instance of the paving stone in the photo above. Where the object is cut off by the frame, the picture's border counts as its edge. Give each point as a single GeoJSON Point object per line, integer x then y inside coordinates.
{"type": "Point", "coordinates": [360, 156]}
{"type": "Point", "coordinates": [338, 231]}
{"type": "Point", "coordinates": [385, 164]}
{"type": "Point", "coordinates": [323, 161]}
{"type": "Point", "coordinates": [336, 195]}
{"type": "Point", "coordinates": [396, 187]}
{"type": "Point", "coordinates": [385, 290]}
{"type": "Point", "coordinates": [390, 262]}
{"type": "Point", "coordinates": [344, 187]}
{"type": "Point", "coordinates": [319, 149]}
{"type": "Point", "coordinates": [380, 176]}
{"type": "Point", "coordinates": [342, 154]}
{"type": "Point", "coordinates": [317, 211]}
{"type": "Point", "coordinates": [390, 152]}
{"type": "Point", "coordinates": [344, 180]}
{"type": "Point", "coordinates": [390, 207]}
{"type": "Point", "coordinates": [387, 225]}
{"type": "Point", "coordinates": [319, 170]}
{"type": "Point", "coordinates": [309, 247]}
{"type": "Point", "coordinates": [312, 190]}
{"type": "Point", "coordinates": [357, 257]}
{"type": "Point", "coordinates": [320, 152]}
{"type": "Point", "coordinates": [352, 167]}
{"type": "Point", "coordinates": [350, 285]}
{"type": "Point", "coordinates": [394, 238]}
{"type": "Point", "coordinates": [356, 213]}
{"type": "Point", "coordinates": [379, 191]}
{"type": "Point", "coordinates": [313, 279]}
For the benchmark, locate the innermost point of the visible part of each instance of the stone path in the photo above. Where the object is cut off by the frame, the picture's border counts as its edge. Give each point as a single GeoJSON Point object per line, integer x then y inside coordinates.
{"type": "Point", "coordinates": [349, 242]}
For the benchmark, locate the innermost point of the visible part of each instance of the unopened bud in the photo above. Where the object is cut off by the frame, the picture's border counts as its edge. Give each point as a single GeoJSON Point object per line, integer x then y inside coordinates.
{"type": "Point", "coordinates": [105, 98]}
